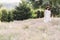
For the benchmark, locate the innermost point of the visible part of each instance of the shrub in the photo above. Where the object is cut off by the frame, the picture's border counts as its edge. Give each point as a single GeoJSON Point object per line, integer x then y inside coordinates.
{"type": "Point", "coordinates": [33, 14]}
{"type": "Point", "coordinates": [4, 15]}
{"type": "Point", "coordinates": [10, 16]}
{"type": "Point", "coordinates": [40, 14]}
{"type": "Point", "coordinates": [22, 12]}
{"type": "Point", "coordinates": [55, 11]}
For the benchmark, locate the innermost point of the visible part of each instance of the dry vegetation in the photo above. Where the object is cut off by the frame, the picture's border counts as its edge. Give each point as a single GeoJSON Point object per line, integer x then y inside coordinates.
{"type": "Point", "coordinates": [31, 29]}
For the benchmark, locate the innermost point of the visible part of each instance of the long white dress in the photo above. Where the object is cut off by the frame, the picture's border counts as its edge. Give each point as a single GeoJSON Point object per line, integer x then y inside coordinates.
{"type": "Point", "coordinates": [47, 16]}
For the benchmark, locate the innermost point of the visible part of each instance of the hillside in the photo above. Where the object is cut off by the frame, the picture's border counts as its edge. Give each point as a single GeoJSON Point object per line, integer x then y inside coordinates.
{"type": "Point", "coordinates": [31, 29]}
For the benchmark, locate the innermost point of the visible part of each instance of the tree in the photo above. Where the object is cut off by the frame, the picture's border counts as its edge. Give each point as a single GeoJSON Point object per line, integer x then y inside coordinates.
{"type": "Point", "coordinates": [55, 7]}
{"type": "Point", "coordinates": [10, 16]}
{"type": "Point", "coordinates": [36, 3]}
{"type": "Point", "coordinates": [4, 15]}
{"type": "Point", "coordinates": [22, 12]}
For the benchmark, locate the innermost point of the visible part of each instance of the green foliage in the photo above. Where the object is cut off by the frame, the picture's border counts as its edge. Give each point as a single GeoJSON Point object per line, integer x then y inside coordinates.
{"type": "Point", "coordinates": [33, 14]}
{"type": "Point", "coordinates": [36, 3]}
{"type": "Point", "coordinates": [55, 7]}
{"type": "Point", "coordinates": [55, 11]}
{"type": "Point", "coordinates": [40, 14]}
{"type": "Point", "coordinates": [22, 12]}
{"type": "Point", "coordinates": [4, 15]}
{"type": "Point", "coordinates": [10, 16]}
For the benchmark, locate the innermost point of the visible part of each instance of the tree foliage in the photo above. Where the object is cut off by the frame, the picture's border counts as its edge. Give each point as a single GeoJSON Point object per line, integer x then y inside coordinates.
{"type": "Point", "coordinates": [22, 12]}
{"type": "Point", "coordinates": [36, 3]}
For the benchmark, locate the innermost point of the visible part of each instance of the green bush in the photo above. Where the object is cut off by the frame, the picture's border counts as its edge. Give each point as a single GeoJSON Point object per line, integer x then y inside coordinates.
{"type": "Point", "coordinates": [55, 12]}
{"type": "Point", "coordinates": [22, 12]}
{"type": "Point", "coordinates": [40, 14]}
{"type": "Point", "coordinates": [4, 15]}
{"type": "Point", "coordinates": [10, 16]}
{"type": "Point", "coordinates": [33, 14]}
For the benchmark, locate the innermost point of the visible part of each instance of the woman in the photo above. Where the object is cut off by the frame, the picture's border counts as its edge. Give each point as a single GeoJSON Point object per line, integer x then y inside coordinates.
{"type": "Point", "coordinates": [47, 14]}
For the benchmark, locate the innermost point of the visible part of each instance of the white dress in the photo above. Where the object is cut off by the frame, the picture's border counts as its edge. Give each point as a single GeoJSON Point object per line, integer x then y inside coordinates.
{"type": "Point", "coordinates": [47, 16]}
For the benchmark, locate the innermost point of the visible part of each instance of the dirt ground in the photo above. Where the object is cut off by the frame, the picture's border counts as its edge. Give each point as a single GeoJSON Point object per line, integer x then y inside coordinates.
{"type": "Point", "coordinates": [31, 29]}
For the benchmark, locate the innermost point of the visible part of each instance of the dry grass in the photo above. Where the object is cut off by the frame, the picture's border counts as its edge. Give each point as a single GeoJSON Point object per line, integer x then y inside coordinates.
{"type": "Point", "coordinates": [31, 29]}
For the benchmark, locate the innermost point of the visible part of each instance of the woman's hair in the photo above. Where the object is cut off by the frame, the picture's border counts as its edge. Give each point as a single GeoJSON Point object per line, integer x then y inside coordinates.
{"type": "Point", "coordinates": [48, 7]}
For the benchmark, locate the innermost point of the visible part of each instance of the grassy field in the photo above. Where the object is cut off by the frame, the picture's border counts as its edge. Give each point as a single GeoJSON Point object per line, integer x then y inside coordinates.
{"type": "Point", "coordinates": [31, 29]}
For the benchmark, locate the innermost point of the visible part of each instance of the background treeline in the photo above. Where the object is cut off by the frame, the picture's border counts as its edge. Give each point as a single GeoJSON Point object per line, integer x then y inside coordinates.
{"type": "Point", "coordinates": [30, 9]}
